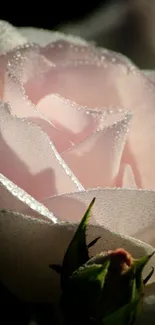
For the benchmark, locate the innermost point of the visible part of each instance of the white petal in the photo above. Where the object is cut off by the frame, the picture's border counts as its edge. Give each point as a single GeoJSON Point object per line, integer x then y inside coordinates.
{"type": "Point", "coordinates": [126, 211]}
{"type": "Point", "coordinates": [16, 199]}
{"type": "Point", "coordinates": [29, 159]}
{"type": "Point", "coordinates": [10, 37]}
{"type": "Point", "coordinates": [44, 36]}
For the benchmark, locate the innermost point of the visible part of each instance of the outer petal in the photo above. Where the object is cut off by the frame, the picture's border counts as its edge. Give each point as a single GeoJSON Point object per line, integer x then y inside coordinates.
{"type": "Point", "coordinates": [16, 199]}
{"type": "Point", "coordinates": [150, 74]}
{"type": "Point", "coordinates": [10, 37]}
{"type": "Point", "coordinates": [126, 211]}
{"type": "Point", "coordinates": [44, 37]}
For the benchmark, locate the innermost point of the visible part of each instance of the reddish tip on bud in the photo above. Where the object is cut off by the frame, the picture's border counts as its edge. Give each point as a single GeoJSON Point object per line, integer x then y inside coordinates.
{"type": "Point", "coordinates": [121, 258]}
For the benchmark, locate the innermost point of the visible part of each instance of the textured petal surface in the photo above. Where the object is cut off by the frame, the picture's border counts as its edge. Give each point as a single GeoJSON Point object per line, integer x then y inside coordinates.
{"type": "Point", "coordinates": [96, 161]}
{"type": "Point", "coordinates": [44, 37]}
{"type": "Point", "coordinates": [108, 79]}
{"type": "Point", "coordinates": [130, 212]}
{"type": "Point", "coordinates": [103, 79]}
{"type": "Point", "coordinates": [95, 79]}
{"type": "Point", "coordinates": [16, 199]}
{"type": "Point", "coordinates": [28, 263]}
{"type": "Point", "coordinates": [73, 122]}
{"type": "Point", "coordinates": [126, 177]}
{"type": "Point", "coordinates": [65, 122]}
{"type": "Point", "coordinates": [29, 159]}
{"type": "Point", "coordinates": [9, 37]}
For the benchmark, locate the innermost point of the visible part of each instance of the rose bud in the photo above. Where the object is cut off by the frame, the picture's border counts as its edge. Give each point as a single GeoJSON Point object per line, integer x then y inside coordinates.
{"type": "Point", "coordinates": [106, 289]}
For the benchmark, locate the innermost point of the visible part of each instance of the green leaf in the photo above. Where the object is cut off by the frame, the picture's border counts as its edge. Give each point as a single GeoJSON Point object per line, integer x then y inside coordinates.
{"type": "Point", "coordinates": [84, 291]}
{"type": "Point", "coordinates": [77, 252]}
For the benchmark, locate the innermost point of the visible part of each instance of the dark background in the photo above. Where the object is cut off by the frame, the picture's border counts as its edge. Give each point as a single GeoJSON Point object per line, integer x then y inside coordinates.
{"type": "Point", "coordinates": [49, 14]}
{"type": "Point", "coordinates": [133, 32]}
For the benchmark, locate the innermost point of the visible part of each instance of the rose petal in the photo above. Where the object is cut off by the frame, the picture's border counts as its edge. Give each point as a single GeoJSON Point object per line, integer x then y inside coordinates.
{"type": "Point", "coordinates": [141, 140]}
{"type": "Point", "coordinates": [44, 37]}
{"type": "Point", "coordinates": [25, 267]}
{"type": "Point", "coordinates": [88, 78]}
{"type": "Point", "coordinates": [126, 177]}
{"type": "Point", "coordinates": [62, 51]}
{"type": "Point", "coordinates": [150, 74]}
{"type": "Point", "coordinates": [9, 37]}
{"type": "Point", "coordinates": [75, 122]}
{"type": "Point", "coordinates": [38, 169]}
{"type": "Point", "coordinates": [14, 92]}
{"type": "Point", "coordinates": [96, 161]}
{"type": "Point", "coordinates": [20, 106]}
{"type": "Point", "coordinates": [16, 199]}
{"type": "Point", "coordinates": [126, 211]}
{"type": "Point", "coordinates": [83, 68]}
{"type": "Point", "coordinates": [118, 79]}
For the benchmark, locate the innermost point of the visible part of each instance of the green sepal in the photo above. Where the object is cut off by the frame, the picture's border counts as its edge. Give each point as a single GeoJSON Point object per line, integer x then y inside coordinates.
{"type": "Point", "coordinates": [140, 263]}
{"type": "Point", "coordinates": [124, 315]}
{"type": "Point", "coordinates": [127, 314]}
{"type": "Point", "coordinates": [84, 290]}
{"type": "Point", "coordinates": [138, 266]}
{"type": "Point", "coordinates": [77, 252]}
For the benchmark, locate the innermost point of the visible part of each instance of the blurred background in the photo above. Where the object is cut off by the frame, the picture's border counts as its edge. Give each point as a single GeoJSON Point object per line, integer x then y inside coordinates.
{"type": "Point", "coordinates": [126, 26]}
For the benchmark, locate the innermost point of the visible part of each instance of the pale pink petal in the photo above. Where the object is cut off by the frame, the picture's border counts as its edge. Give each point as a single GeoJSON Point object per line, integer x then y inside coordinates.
{"type": "Point", "coordinates": [62, 51]}
{"type": "Point", "coordinates": [29, 159]}
{"type": "Point", "coordinates": [52, 121]}
{"type": "Point", "coordinates": [16, 199]}
{"type": "Point", "coordinates": [112, 82]}
{"type": "Point", "coordinates": [108, 79]}
{"type": "Point", "coordinates": [74, 121]}
{"type": "Point", "coordinates": [14, 94]}
{"type": "Point", "coordinates": [138, 94]}
{"type": "Point", "coordinates": [96, 161]}
{"type": "Point", "coordinates": [22, 66]}
{"type": "Point", "coordinates": [25, 267]}
{"type": "Point", "coordinates": [87, 84]}
{"type": "Point", "coordinates": [126, 177]}
{"type": "Point", "coordinates": [83, 68]}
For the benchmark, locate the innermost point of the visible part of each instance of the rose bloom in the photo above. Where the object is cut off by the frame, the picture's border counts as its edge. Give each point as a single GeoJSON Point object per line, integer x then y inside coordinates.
{"type": "Point", "coordinates": [76, 122]}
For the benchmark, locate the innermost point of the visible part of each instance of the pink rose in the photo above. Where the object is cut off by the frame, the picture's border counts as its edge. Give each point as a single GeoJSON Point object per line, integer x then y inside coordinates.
{"type": "Point", "coordinates": [76, 122]}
